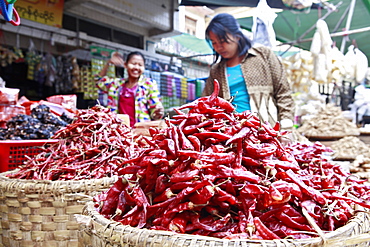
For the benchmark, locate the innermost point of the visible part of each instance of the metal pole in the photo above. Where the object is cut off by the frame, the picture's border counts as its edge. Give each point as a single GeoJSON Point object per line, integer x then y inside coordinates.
{"type": "Point", "coordinates": [348, 24]}
{"type": "Point", "coordinates": [360, 30]}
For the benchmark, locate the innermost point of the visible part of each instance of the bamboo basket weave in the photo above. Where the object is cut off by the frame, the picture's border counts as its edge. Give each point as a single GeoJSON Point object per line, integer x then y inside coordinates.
{"type": "Point", "coordinates": [37, 213]}
{"type": "Point", "coordinates": [101, 232]}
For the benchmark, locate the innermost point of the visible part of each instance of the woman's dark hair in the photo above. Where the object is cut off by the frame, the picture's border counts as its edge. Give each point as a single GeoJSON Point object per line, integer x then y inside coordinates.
{"type": "Point", "coordinates": [223, 25]}
{"type": "Point", "coordinates": [131, 54]}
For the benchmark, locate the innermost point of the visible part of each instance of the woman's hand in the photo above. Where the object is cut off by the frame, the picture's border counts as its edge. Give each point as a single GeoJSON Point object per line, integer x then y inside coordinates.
{"type": "Point", "coordinates": [117, 59]}
{"type": "Point", "coordinates": [157, 113]}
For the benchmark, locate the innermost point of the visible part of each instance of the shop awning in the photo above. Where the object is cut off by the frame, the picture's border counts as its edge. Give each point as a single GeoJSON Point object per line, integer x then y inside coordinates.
{"type": "Point", "coordinates": [199, 46]}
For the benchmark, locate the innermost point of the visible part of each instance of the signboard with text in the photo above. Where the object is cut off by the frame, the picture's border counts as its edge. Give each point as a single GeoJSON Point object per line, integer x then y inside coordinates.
{"type": "Point", "coordinates": [49, 12]}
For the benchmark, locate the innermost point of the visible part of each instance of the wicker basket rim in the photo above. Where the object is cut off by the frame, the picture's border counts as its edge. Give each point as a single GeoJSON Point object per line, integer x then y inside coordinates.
{"type": "Point", "coordinates": [89, 210]}
{"type": "Point", "coordinates": [11, 184]}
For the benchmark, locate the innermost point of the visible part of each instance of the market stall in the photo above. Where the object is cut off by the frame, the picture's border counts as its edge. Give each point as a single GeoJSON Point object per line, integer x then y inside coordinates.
{"type": "Point", "coordinates": [202, 176]}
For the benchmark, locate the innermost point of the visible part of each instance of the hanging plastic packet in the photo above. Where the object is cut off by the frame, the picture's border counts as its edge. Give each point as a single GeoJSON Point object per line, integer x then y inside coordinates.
{"type": "Point", "coordinates": [262, 29]}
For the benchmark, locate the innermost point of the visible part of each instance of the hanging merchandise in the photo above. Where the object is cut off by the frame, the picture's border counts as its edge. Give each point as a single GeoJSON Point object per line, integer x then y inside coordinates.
{"type": "Point", "coordinates": [321, 47]}
{"type": "Point", "coordinates": [299, 69]}
{"type": "Point", "coordinates": [32, 59]}
{"type": "Point", "coordinates": [50, 63]}
{"type": "Point", "coordinates": [76, 78]}
{"type": "Point", "coordinates": [7, 56]}
{"type": "Point", "coordinates": [338, 71]}
{"type": "Point", "coordinates": [63, 82]}
{"type": "Point", "coordinates": [263, 31]}
{"type": "Point", "coordinates": [357, 64]}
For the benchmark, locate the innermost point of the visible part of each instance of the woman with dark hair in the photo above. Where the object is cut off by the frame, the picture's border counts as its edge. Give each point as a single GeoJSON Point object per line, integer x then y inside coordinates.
{"type": "Point", "coordinates": [253, 77]}
{"type": "Point", "coordinates": [137, 96]}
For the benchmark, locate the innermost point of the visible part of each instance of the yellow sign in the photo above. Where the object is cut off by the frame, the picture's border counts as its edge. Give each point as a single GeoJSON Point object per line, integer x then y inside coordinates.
{"type": "Point", "coordinates": [49, 12]}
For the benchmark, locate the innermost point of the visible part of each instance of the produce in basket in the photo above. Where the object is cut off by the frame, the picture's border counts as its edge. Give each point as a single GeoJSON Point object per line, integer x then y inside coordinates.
{"type": "Point", "coordinates": [94, 145]}
{"type": "Point", "coordinates": [217, 173]}
{"type": "Point", "coordinates": [40, 124]}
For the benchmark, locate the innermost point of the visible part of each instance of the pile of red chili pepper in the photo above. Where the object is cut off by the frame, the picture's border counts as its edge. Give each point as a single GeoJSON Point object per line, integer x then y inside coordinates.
{"type": "Point", "coordinates": [217, 173]}
{"type": "Point", "coordinates": [93, 146]}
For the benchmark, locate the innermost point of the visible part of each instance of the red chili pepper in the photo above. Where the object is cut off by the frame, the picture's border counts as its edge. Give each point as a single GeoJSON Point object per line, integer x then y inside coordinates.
{"type": "Point", "coordinates": [158, 209]}
{"type": "Point", "coordinates": [224, 116]}
{"type": "Point", "coordinates": [336, 196]}
{"type": "Point", "coordinates": [203, 195]}
{"type": "Point", "coordinates": [129, 217]}
{"type": "Point", "coordinates": [158, 153]}
{"type": "Point", "coordinates": [166, 194]}
{"type": "Point", "coordinates": [169, 146]}
{"type": "Point", "coordinates": [248, 161]}
{"type": "Point", "coordinates": [290, 222]}
{"type": "Point", "coordinates": [223, 196]}
{"type": "Point", "coordinates": [216, 91]}
{"type": "Point", "coordinates": [259, 150]}
{"type": "Point", "coordinates": [270, 130]}
{"type": "Point", "coordinates": [315, 194]}
{"type": "Point", "coordinates": [264, 232]}
{"type": "Point", "coordinates": [125, 203]}
{"type": "Point", "coordinates": [225, 105]}
{"type": "Point", "coordinates": [187, 175]}
{"type": "Point", "coordinates": [225, 158]}
{"type": "Point", "coordinates": [196, 142]}
{"type": "Point", "coordinates": [212, 226]}
{"type": "Point", "coordinates": [222, 171]}
{"type": "Point", "coordinates": [176, 187]}
{"type": "Point", "coordinates": [239, 154]}
{"type": "Point", "coordinates": [179, 222]}
{"type": "Point", "coordinates": [277, 126]}
{"type": "Point", "coordinates": [240, 135]}
{"type": "Point", "coordinates": [130, 169]}
{"type": "Point", "coordinates": [191, 129]}
{"type": "Point", "coordinates": [161, 184]}
{"type": "Point", "coordinates": [285, 165]}
{"type": "Point", "coordinates": [216, 135]}
{"type": "Point", "coordinates": [110, 204]}
{"type": "Point", "coordinates": [253, 189]}
{"type": "Point", "coordinates": [184, 141]}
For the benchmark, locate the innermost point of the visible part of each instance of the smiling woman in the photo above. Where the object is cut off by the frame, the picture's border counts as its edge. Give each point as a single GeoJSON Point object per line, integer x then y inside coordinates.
{"type": "Point", "coordinates": [137, 96]}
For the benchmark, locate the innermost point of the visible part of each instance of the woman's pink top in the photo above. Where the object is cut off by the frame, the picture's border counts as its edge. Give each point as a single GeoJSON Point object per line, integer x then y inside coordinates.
{"type": "Point", "coordinates": [126, 103]}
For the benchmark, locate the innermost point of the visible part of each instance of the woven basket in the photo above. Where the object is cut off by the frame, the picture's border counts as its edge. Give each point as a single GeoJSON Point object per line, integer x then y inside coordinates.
{"type": "Point", "coordinates": [41, 213]}
{"type": "Point", "coordinates": [99, 231]}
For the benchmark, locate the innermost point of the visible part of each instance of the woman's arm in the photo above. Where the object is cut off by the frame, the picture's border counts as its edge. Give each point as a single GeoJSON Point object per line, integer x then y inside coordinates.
{"type": "Point", "coordinates": [282, 91]}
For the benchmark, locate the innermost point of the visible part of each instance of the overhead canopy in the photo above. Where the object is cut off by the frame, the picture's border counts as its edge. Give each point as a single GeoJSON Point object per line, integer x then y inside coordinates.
{"type": "Point", "coordinates": [298, 27]}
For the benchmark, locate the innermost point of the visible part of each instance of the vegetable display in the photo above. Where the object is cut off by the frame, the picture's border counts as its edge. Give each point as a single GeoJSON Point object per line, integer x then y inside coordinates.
{"type": "Point", "coordinates": [93, 146]}
{"type": "Point", "coordinates": [329, 122]}
{"type": "Point", "coordinates": [349, 147]}
{"type": "Point", "coordinates": [217, 173]}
